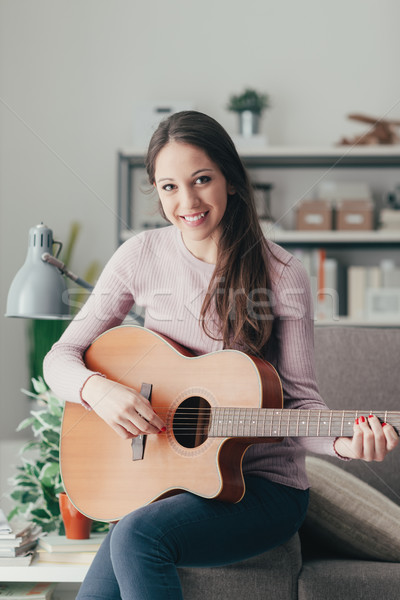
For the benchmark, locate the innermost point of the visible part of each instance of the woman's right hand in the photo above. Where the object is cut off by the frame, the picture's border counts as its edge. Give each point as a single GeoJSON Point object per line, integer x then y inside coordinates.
{"type": "Point", "coordinates": [122, 408]}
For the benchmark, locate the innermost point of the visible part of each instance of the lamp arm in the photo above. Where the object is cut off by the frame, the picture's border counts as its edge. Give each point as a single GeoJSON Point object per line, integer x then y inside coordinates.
{"type": "Point", "coordinates": [52, 260]}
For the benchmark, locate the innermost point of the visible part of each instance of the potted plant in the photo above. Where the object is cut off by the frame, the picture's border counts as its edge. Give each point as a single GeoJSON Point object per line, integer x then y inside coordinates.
{"type": "Point", "coordinates": [37, 482]}
{"type": "Point", "coordinates": [249, 105]}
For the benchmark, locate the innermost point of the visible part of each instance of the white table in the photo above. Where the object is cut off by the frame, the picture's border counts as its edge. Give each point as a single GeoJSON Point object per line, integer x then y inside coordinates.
{"type": "Point", "coordinates": [41, 571]}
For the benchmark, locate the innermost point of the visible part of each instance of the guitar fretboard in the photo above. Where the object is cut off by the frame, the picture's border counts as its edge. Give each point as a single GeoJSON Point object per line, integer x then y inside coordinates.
{"type": "Point", "coordinates": [269, 422]}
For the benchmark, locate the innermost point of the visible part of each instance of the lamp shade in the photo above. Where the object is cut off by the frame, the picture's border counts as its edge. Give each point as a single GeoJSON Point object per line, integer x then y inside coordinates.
{"type": "Point", "coordinates": [38, 290]}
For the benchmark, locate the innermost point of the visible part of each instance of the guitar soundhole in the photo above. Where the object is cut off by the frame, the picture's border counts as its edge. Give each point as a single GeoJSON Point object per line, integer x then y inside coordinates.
{"type": "Point", "coordinates": [191, 421]}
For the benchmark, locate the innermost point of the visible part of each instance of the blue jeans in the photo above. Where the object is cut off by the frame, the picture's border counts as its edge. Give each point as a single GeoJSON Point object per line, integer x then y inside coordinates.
{"type": "Point", "coordinates": [140, 555]}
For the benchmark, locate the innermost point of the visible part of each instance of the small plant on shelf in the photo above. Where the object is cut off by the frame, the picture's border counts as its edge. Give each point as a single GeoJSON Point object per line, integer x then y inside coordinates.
{"type": "Point", "coordinates": [38, 482]}
{"type": "Point", "coordinates": [249, 100]}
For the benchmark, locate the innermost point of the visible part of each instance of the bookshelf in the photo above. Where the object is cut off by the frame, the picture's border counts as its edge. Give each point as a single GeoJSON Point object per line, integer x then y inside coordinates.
{"type": "Point", "coordinates": [287, 165]}
{"type": "Point", "coordinates": [322, 161]}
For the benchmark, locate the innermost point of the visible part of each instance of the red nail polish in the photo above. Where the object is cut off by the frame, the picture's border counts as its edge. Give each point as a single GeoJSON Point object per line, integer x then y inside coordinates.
{"type": "Point", "coordinates": [370, 416]}
{"type": "Point", "coordinates": [357, 423]}
{"type": "Point", "coordinates": [383, 424]}
{"type": "Point", "coordinates": [362, 419]}
{"type": "Point", "coordinates": [163, 429]}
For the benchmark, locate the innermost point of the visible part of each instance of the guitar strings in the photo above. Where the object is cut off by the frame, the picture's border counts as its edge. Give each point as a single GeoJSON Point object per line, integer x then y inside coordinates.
{"type": "Point", "coordinates": [275, 412]}
{"type": "Point", "coordinates": [280, 410]}
{"type": "Point", "coordinates": [280, 414]}
{"type": "Point", "coordinates": [290, 423]}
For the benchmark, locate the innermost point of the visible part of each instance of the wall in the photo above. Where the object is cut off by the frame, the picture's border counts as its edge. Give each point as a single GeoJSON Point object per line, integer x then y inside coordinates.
{"type": "Point", "coordinates": [73, 72]}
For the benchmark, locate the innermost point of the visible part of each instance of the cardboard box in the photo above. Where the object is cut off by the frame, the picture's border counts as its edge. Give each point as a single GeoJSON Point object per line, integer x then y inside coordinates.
{"type": "Point", "coordinates": [356, 215]}
{"type": "Point", "coordinates": [314, 215]}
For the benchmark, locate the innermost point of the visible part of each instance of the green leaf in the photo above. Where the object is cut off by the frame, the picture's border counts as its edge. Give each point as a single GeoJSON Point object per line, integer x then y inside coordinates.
{"type": "Point", "coordinates": [61, 529]}
{"type": "Point", "coordinates": [39, 385]}
{"type": "Point", "coordinates": [48, 473]}
{"type": "Point", "coordinates": [52, 437]}
{"type": "Point", "coordinates": [28, 466]}
{"type": "Point", "coordinates": [55, 407]}
{"type": "Point", "coordinates": [29, 484]}
{"type": "Point", "coordinates": [54, 509]}
{"type": "Point", "coordinates": [37, 427]}
{"type": "Point", "coordinates": [31, 445]}
{"type": "Point", "coordinates": [13, 513]}
{"type": "Point", "coordinates": [48, 460]}
{"type": "Point", "coordinates": [17, 495]}
{"type": "Point", "coordinates": [47, 419]}
{"type": "Point", "coordinates": [100, 527]}
{"type": "Point", "coordinates": [23, 480]}
{"type": "Point", "coordinates": [38, 466]}
{"type": "Point", "coordinates": [25, 423]}
{"type": "Point", "coordinates": [34, 470]}
{"type": "Point", "coordinates": [22, 476]}
{"type": "Point", "coordinates": [54, 454]}
{"type": "Point", "coordinates": [28, 393]}
{"type": "Point", "coordinates": [41, 513]}
{"type": "Point", "coordinates": [24, 496]}
{"type": "Point", "coordinates": [30, 496]}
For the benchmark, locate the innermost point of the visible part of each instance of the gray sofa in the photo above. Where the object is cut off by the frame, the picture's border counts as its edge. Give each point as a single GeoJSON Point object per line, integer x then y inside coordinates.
{"type": "Point", "coordinates": [357, 368]}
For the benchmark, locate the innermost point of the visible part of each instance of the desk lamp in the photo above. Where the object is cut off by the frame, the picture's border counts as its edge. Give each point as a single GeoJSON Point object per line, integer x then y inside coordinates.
{"type": "Point", "coordinates": [38, 290]}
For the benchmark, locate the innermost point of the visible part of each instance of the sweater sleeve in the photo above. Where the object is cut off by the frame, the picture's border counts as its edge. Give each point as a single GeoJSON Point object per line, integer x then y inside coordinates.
{"type": "Point", "coordinates": [295, 347]}
{"type": "Point", "coordinates": [109, 303]}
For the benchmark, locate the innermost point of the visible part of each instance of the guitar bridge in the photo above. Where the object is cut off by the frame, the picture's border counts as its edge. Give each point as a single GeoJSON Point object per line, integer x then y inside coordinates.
{"type": "Point", "coordinates": [138, 443]}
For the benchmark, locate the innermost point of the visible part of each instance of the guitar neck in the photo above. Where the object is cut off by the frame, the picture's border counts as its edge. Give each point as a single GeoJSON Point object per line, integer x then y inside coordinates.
{"type": "Point", "coordinates": [274, 422]}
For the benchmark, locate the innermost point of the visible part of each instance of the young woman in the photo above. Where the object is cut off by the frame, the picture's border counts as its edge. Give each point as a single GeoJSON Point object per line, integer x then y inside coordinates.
{"type": "Point", "coordinates": [209, 281]}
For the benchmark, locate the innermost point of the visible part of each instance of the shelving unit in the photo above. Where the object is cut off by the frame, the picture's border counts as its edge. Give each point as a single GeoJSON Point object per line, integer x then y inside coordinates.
{"type": "Point", "coordinates": [131, 160]}
{"type": "Point", "coordinates": [344, 245]}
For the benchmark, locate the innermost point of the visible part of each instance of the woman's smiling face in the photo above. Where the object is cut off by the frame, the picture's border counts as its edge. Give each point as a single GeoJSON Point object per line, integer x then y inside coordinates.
{"type": "Point", "coordinates": [194, 195]}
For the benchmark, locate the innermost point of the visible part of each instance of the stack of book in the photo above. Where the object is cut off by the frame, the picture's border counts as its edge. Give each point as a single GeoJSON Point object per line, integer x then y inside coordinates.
{"type": "Point", "coordinates": [23, 590]}
{"type": "Point", "coordinates": [324, 277]}
{"type": "Point", "coordinates": [374, 292]}
{"type": "Point", "coordinates": [17, 542]}
{"type": "Point", "coordinates": [59, 549]}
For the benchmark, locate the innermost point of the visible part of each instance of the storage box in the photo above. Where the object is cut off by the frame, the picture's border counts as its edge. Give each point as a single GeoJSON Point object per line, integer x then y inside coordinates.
{"type": "Point", "coordinates": [389, 219]}
{"type": "Point", "coordinates": [355, 215]}
{"type": "Point", "coordinates": [314, 215]}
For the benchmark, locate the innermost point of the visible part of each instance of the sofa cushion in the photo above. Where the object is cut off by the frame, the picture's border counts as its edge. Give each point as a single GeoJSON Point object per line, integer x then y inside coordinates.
{"type": "Point", "coordinates": [350, 516]}
{"type": "Point", "coordinates": [349, 579]}
{"type": "Point", "coordinates": [273, 574]}
{"type": "Point", "coordinates": [358, 368]}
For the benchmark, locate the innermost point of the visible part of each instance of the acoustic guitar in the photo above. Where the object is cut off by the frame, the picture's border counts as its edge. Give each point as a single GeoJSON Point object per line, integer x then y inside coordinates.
{"type": "Point", "coordinates": [214, 406]}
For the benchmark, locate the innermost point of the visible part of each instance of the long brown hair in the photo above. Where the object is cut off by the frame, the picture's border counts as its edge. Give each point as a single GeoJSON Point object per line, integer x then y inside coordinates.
{"type": "Point", "coordinates": [239, 286]}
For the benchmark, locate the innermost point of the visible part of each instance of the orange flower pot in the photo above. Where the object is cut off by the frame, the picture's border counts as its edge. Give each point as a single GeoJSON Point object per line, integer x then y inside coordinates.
{"type": "Point", "coordinates": [77, 526]}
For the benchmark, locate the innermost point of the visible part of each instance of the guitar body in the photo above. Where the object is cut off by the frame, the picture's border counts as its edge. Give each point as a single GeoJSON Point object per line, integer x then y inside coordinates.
{"type": "Point", "coordinates": [99, 473]}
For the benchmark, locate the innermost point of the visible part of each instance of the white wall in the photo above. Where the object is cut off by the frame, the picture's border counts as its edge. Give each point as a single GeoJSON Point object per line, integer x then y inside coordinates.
{"type": "Point", "coordinates": [72, 73]}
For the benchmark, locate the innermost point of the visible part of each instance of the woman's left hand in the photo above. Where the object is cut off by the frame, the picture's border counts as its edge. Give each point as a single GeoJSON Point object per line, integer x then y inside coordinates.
{"type": "Point", "coordinates": [372, 440]}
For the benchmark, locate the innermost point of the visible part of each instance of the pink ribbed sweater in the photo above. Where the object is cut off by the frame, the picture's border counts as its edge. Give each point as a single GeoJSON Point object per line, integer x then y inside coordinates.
{"type": "Point", "coordinates": [155, 270]}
